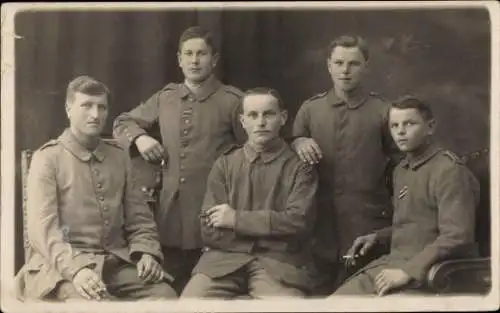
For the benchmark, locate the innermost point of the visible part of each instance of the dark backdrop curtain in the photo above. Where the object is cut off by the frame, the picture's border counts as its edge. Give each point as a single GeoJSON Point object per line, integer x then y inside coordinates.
{"type": "Point", "coordinates": [441, 56]}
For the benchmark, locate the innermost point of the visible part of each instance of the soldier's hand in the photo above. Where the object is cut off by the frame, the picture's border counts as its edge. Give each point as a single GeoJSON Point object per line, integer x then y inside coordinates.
{"type": "Point", "coordinates": [389, 279]}
{"type": "Point", "coordinates": [308, 150]}
{"type": "Point", "coordinates": [150, 149]}
{"type": "Point", "coordinates": [222, 216]}
{"type": "Point", "coordinates": [360, 247]}
{"type": "Point", "coordinates": [148, 269]}
{"type": "Point", "coordinates": [88, 284]}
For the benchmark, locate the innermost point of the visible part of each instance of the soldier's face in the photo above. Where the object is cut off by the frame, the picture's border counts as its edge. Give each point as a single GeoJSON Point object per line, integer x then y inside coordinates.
{"type": "Point", "coordinates": [262, 118]}
{"type": "Point", "coordinates": [346, 66]}
{"type": "Point", "coordinates": [196, 60]}
{"type": "Point", "coordinates": [409, 129]}
{"type": "Point", "coordinates": [87, 113]}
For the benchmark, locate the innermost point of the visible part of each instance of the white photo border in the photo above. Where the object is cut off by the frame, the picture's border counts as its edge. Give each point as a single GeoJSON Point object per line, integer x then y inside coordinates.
{"type": "Point", "coordinates": [343, 304]}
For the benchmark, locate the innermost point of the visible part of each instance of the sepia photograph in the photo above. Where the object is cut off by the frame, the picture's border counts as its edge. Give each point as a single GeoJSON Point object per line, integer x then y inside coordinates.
{"type": "Point", "coordinates": [250, 156]}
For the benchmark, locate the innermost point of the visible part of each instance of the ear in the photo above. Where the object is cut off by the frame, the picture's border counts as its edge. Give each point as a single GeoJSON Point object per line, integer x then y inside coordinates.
{"type": "Point", "coordinates": [284, 117]}
{"type": "Point", "coordinates": [215, 59]}
{"type": "Point", "coordinates": [242, 120]}
{"type": "Point", "coordinates": [179, 58]}
{"type": "Point", "coordinates": [67, 106]}
{"type": "Point", "coordinates": [328, 65]}
{"type": "Point", "coordinates": [432, 127]}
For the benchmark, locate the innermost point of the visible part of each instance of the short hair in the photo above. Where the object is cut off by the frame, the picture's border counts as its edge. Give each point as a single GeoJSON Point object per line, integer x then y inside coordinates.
{"type": "Point", "coordinates": [86, 85]}
{"type": "Point", "coordinates": [266, 91]}
{"type": "Point", "coordinates": [198, 32]}
{"type": "Point", "coordinates": [348, 41]}
{"type": "Point", "coordinates": [412, 102]}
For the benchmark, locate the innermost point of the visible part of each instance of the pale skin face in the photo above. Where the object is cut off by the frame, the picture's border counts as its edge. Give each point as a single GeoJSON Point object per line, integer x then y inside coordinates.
{"type": "Point", "coordinates": [87, 114]}
{"type": "Point", "coordinates": [346, 66]}
{"type": "Point", "coordinates": [196, 60]}
{"type": "Point", "coordinates": [409, 129]}
{"type": "Point", "coordinates": [262, 119]}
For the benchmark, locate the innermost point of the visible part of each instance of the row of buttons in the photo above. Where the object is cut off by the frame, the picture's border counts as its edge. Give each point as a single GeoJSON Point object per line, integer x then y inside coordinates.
{"type": "Point", "coordinates": [186, 116]}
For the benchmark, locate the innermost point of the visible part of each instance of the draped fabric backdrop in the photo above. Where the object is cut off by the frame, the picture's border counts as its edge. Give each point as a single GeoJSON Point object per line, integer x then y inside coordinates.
{"type": "Point", "coordinates": [442, 56]}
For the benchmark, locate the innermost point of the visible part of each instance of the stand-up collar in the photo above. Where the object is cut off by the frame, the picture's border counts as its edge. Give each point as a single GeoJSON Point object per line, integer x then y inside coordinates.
{"type": "Point", "coordinates": [356, 98]}
{"type": "Point", "coordinates": [275, 148]}
{"type": "Point", "coordinates": [415, 161]}
{"type": "Point", "coordinates": [71, 143]}
{"type": "Point", "coordinates": [203, 91]}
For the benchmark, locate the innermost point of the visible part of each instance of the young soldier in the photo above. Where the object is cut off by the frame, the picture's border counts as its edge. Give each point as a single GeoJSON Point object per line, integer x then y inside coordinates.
{"type": "Point", "coordinates": [198, 120]}
{"type": "Point", "coordinates": [344, 131]}
{"type": "Point", "coordinates": [434, 209]}
{"type": "Point", "coordinates": [91, 232]}
{"type": "Point", "coordinates": [258, 212]}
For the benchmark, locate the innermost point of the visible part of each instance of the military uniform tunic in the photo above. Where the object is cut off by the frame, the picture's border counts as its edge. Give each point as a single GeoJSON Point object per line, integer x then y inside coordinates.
{"type": "Point", "coordinates": [353, 198]}
{"type": "Point", "coordinates": [196, 127]}
{"type": "Point", "coordinates": [81, 207]}
{"type": "Point", "coordinates": [434, 219]}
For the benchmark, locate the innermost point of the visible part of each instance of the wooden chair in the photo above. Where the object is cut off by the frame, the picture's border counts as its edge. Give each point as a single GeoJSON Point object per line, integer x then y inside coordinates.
{"type": "Point", "coordinates": [470, 275]}
{"type": "Point", "coordinates": [25, 164]}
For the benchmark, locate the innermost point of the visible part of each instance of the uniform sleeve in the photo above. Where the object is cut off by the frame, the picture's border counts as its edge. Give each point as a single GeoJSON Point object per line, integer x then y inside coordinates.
{"type": "Point", "coordinates": [456, 196]}
{"type": "Point", "coordinates": [216, 193]}
{"type": "Point", "coordinates": [43, 223]}
{"type": "Point", "coordinates": [301, 123]}
{"type": "Point", "coordinates": [140, 226]}
{"type": "Point", "coordinates": [295, 219]}
{"type": "Point", "coordinates": [384, 235]}
{"type": "Point", "coordinates": [130, 125]}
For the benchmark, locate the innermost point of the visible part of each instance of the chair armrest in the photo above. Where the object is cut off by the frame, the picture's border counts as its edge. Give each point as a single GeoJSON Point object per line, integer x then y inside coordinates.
{"type": "Point", "coordinates": [461, 275]}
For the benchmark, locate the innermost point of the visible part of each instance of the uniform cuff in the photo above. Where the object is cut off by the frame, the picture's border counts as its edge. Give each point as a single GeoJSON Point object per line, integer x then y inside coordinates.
{"type": "Point", "coordinates": [69, 271]}
{"type": "Point", "coordinates": [142, 248]}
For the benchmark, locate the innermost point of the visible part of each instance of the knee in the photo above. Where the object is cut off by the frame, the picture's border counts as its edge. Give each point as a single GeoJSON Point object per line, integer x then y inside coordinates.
{"type": "Point", "coordinates": [198, 286]}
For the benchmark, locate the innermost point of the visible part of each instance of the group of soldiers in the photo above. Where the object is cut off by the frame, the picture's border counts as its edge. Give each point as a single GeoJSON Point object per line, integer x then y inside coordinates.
{"type": "Point", "coordinates": [360, 200]}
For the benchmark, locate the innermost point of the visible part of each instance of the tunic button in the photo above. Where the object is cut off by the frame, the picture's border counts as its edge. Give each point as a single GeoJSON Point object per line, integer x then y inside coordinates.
{"type": "Point", "coordinates": [185, 132]}
{"type": "Point", "coordinates": [384, 213]}
{"type": "Point", "coordinates": [105, 208]}
{"type": "Point", "coordinates": [106, 222]}
{"type": "Point", "coordinates": [183, 155]}
{"type": "Point", "coordinates": [182, 167]}
{"type": "Point", "coordinates": [183, 179]}
{"type": "Point", "coordinates": [99, 185]}
{"type": "Point", "coordinates": [96, 172]}
{"type": "Point", "coordinates": [101, 198]}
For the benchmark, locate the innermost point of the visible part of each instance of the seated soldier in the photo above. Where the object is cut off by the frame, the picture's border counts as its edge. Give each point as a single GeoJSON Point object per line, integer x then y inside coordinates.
{"type": "Point", "coordinates": [91, 232]}
{"type": "Point", "coordinates": [435, 197]}
{"type": "Point", "coordinates": [257, 213]}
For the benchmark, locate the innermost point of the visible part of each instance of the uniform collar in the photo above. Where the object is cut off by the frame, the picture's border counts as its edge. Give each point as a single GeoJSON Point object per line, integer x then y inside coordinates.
{"type": "Point", "coordinates": [274, 150]}
{"type": "Point", "coordinates": [356, 99]}
{"type": "Point", "coordinates": [418, 160]}
{"type": "Point", "coordinates": [203, 91]}
{"type": "Point", "coordinates": [69, 141]}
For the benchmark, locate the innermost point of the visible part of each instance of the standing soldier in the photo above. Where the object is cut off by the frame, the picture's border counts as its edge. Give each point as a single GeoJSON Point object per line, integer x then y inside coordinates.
{"type": "Point", "coordinates": [344, 131]}
{"type": "Point", "coordinates": [198, 120]}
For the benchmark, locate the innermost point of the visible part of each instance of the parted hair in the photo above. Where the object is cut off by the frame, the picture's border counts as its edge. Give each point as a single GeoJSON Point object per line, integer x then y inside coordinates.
{"type": "Point", "coordinates": [199, 32]}
{"type": "Point", "coordinates": [266, 91]}
{"type": "Point", "coordinates": [87, 85]}
{"type": "Point", "coordinates": [412, 102]}
{"type": "Point", "coordinates": [349, 41]}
